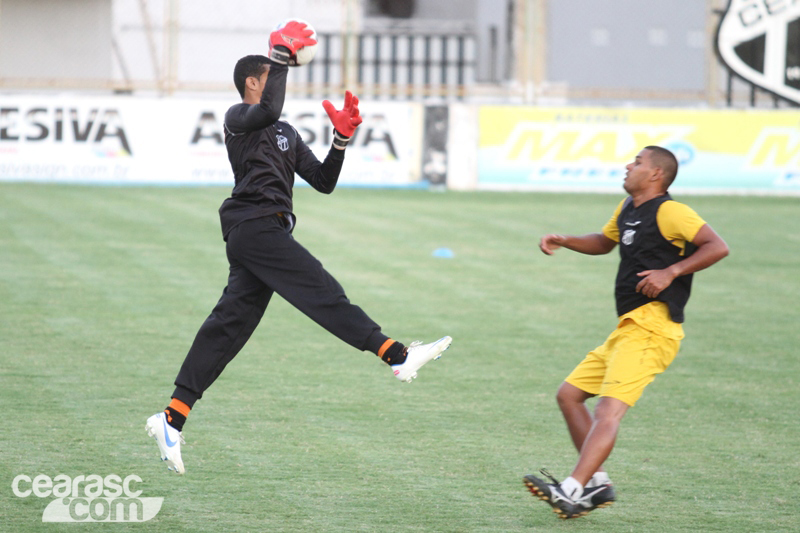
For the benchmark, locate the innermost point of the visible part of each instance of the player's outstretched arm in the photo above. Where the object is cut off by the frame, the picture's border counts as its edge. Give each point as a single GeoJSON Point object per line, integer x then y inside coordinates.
{"type": "Point", "coordinates": [252, 117]}
{"type": "Point", "coordinates": [324, 176]}
{"type": "Point", "coordinates": [591, 244]}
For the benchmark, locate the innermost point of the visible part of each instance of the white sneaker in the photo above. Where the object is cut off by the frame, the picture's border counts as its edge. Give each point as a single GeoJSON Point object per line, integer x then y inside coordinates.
{"type": "Point", "coordinates": [418, 355]}
{"type": "Point", "coordinates": [169, 441]}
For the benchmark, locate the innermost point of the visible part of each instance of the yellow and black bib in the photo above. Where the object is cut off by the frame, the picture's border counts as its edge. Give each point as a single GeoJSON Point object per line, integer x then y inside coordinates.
{"type": "Point", "coordinates": [642, 246]}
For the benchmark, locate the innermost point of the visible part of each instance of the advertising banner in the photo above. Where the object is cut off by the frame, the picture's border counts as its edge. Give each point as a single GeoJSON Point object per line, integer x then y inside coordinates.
{"type": "Point", "coordinates": [528, 148]}
{"type": "Point", "coordinates": [129, 140]}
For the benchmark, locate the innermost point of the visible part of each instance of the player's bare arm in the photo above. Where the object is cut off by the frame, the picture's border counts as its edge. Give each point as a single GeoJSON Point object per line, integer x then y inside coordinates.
{"type": "Point", "coordinates": [710, 249]}
{"type": "Point", "coordinates": [591, 244]}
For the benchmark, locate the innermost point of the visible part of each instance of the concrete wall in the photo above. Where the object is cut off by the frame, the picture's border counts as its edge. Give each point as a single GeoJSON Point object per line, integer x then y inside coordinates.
{"type": "Point", "coordinates": [55, 39]}
{"type": "Point", "coordinates": [602, 44]}
{"type": "Point", "coordinates": [212, 36]}
{"type": "Point", "coordinates": [628, 44]}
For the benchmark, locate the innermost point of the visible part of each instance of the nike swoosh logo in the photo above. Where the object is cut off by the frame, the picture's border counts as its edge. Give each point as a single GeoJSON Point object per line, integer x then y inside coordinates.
{"type": "Point", "coordinates": [633, 223]}
{"type": "Point", "coordinates": [588, 493]}
{"type": "Point", "coordinates": [586, 498]}
{"type": "Point", "coordinates": [170, 443]}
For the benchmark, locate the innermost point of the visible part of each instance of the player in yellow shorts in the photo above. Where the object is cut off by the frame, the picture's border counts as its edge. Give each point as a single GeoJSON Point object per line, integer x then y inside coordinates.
{"type": "Point", "coordinates": [629, 359]}
{"type": "Point", "coordinates": [662, 243]}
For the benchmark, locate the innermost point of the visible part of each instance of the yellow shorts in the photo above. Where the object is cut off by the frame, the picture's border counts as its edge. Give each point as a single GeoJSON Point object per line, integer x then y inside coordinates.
{"type": "Point", "coordinates": [626, 363]}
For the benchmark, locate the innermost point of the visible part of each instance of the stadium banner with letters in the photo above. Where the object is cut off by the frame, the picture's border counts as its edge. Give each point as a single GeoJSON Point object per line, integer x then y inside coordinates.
{"type": "Point", "coordinates": [726, 151]}
{"type": "Point", "coordinates": [131, 140]}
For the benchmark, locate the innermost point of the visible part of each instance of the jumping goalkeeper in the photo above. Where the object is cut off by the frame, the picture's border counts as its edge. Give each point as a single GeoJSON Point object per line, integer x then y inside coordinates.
{"type": "Point", "coordinates": [257, 222]}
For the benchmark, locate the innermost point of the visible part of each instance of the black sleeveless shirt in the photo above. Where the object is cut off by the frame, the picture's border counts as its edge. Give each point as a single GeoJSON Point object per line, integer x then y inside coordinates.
{"type": "Point", "coordinates": [643, 247]}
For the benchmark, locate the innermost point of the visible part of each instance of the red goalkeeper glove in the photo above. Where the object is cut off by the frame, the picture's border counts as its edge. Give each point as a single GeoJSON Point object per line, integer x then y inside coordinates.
{"type": "Point", "coordinates": [285, 42]}
{"type": "Point", "coordinates": [345, 120]}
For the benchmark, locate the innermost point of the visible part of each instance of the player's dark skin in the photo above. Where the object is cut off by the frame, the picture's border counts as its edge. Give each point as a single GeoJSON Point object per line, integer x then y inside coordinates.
{"type": "Point", "coordinates": [595, 437]}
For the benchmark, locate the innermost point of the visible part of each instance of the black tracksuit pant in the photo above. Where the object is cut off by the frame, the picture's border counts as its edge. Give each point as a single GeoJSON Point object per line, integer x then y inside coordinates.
{"type": "Point", "coordinates": [265, 259]}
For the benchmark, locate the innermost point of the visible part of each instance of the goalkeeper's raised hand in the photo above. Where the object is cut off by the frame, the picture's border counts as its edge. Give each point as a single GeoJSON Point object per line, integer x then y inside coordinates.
{"type": "Point", "coordinates": [285, 42]}
{"type": "Point", "coordinates": [345, 120]}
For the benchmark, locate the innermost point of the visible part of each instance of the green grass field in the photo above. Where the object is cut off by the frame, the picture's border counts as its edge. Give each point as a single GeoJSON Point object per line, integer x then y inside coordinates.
{"type": "Point", "coordinates": [103, 288]}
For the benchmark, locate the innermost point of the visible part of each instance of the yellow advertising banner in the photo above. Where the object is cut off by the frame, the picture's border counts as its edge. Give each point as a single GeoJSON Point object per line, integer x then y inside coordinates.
{"type": "Point", "coordinates": [573, 148]}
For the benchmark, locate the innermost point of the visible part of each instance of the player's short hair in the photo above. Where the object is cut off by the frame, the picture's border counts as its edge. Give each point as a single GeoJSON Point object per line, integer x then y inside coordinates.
{"type": "Point", "coordinates": [248, 66]}
{"type": "Point", "coordinates": [666, 161]}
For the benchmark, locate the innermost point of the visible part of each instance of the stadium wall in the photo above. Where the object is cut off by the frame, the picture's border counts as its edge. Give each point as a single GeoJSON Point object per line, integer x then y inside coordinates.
{"type": "Point", "coordinates": [133, 140]}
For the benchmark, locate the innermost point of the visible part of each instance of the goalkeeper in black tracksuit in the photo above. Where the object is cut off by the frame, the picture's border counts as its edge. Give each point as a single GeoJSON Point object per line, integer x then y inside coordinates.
{"type": "Point", "coordinates": [257, 221]}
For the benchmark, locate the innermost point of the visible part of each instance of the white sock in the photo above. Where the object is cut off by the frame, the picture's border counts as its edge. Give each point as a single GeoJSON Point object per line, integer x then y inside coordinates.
{"type": "Point", "coordinates": [599, 478]}
{"type": "Point", "coordinates": [572, 488]}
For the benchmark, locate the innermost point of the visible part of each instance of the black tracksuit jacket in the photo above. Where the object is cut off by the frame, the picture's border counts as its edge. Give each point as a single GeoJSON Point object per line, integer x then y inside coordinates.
{"type": "Point", "coordinates": [265, 153]}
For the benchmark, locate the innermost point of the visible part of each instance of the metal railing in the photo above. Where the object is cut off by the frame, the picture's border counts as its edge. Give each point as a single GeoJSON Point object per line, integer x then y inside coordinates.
{"type": "Point", "coordinates": [390, 66]}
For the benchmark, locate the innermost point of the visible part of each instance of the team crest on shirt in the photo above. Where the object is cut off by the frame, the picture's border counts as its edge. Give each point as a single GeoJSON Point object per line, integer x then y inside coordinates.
{"type": "Point", "coordinates": [283, 142]}
{"type": "Point", "coordinates": [627, 236]}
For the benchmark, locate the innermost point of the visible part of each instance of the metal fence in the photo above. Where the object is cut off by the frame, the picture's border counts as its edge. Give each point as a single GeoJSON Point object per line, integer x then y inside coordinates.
{"type": "Point", "coordinates": [740, 92]}
{"type": "Point", "coordinates": [390, 66]}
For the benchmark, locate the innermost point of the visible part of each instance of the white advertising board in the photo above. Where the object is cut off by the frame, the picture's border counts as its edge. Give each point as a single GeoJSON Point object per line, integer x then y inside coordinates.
{"type": "Point", "coordinates": [129, 140]}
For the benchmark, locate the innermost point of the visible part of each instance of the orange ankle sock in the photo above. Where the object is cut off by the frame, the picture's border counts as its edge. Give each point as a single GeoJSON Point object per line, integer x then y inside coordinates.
{"type": "Point", "coordinates": [176, 412]}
